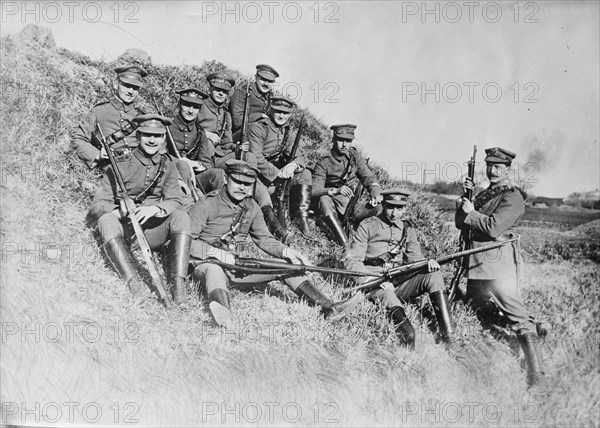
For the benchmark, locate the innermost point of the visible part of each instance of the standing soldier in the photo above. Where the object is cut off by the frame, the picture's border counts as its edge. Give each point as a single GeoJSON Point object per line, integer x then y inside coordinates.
{"type": "Point", "coordinates": [335, 178]}
{"type": "Point", "coordinates": [151, 179]}
{"type": "Point", "coordinates": [220, 226]}
{"type": "Point", "coordinates": [493, 277]}
{"type": "Point", "coordinates": [385, 240]}
{"type": "Point", "coordinates": [259, 98]}
{"type": "Point", "coordinates": [197, 162]}
{"type": "Point", "coordinates": [214, 116]}
{"type": "Point", "coordinates": [269, 143]}
{"type": "Point", "coordinates": [115, 117]}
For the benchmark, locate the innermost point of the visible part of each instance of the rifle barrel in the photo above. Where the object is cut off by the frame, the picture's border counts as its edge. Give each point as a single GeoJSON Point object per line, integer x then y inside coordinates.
{"type": "Point", "coordinates": [268, 264]}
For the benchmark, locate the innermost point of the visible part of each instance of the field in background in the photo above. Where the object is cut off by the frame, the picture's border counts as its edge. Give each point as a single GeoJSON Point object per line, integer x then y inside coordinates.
{"type": "Point", "coordinates": [75, 350]}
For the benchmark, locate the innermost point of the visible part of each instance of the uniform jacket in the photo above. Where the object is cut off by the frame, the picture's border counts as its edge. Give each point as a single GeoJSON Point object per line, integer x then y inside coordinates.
{"type": "Point", "coordinates": [259, 105]}
{"type": "Point", "coordinates": [138, 171]}
{"type": "Point", "coordinates": [489, 223]}
{"type": "Point", "coordinates": [329, 173]}
{"type": "Point", "coordinates": [266, 139]}
{"type": "Point", "coordinates": [377, 236]}
{"type": "Point", "coordinates": [112, 116]}
{"type": "Point", "coordinates": [213, 217]}
{"type": "Point", "coordinates": [216, 119]}
{"type": "Point", "coordinates": [190, 137]}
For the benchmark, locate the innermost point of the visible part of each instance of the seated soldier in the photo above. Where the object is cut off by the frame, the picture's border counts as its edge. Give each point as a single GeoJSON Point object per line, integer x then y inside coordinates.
{"type": "Point", "coordinates": [385, 240]}
{"type": "Point", "coordinates": [336, 177]}
{"type": "Point", "coordinates": [151, 179]}
{"type": "Point", "coordinates": [220, 226]}
{"type": "Point", "coordinates": [114, 116]}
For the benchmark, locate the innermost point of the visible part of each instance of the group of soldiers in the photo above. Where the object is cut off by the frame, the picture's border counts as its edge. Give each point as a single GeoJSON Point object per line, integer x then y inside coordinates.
{"type": "Point", "coordinates": [205, 180]}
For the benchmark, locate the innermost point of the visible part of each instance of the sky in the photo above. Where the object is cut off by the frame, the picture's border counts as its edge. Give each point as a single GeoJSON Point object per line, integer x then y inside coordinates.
{"type": "Point", "coordinates": [423, 81]}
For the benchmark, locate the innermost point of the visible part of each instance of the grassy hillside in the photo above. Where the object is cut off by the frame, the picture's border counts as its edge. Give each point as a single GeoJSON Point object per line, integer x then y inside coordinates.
{"type": "Point", "coordinates": [70, 336]}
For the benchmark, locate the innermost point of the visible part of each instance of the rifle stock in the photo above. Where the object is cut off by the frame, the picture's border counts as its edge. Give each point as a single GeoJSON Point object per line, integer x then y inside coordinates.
{"type": "Point", "coordinates": [137, 227]}
{"type": "Point", "coordinates": [239, 153]}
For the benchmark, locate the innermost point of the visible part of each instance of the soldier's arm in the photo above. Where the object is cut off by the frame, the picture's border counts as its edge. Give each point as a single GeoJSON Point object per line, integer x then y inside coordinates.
{"type": "Point", "coordinates": [357, 250]}
{"type": "Point", "coordinates": [366, 176]}
{"type": "Point", "coordinates": [318, 180]}
{"type": "Point", "coordinates": [227, 137]}
{"type": "Point", "coordinates": [412, 248]}
{"type": "Point", "coordinates": [256, 135]}
{"type": "Point", "coordinates": [509, 210]}
{"type": "Point", "coordinates": [199, 214]}
{"type": "Point", "coordinates": [261, 235]}
{"type": "Point", "coordinates": [206, 151]}
{"type": "Point", "coordinates": [173, 197]}
{"type": "Point", "coordinates": [81, 140]}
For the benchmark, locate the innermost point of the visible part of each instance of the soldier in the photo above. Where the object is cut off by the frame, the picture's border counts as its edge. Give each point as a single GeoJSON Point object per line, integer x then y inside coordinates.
{"type": "Point", "coordinates": [335, 178]}
{"type": "Point", "coordinates": [385, 240]}
{"type": "Point", "coordinates": [214, 116]}
{"type": "Point", "coordinates": [114, 117]}
{"type": "Point", "coordinates": [151, 179]}
{"type": "Point", "coordinates": [259, 98]}
{"type": "Point", "coordinates": [493, 277]}
{"type": "Point", "coordinates": [220, 226]}
{"type": "Point", "coordinates": [269, 142]}
{"type": "Point", "coordinates": [197, 163]}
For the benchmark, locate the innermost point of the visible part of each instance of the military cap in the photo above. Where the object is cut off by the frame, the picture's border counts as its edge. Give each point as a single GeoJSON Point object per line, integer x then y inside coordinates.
{"type": "Point", "coordinates": [221, 81]}
{"type": "Point", "coordinates": [192, 96]}
{"type": "Point", "coordinates": [152, 123]}
{"type": "Point", "coordinates": [131, 74]}
{"type": "Point", "coordinates": [499, 155]}
{"type": "Point", "coordinates": [241, 171]}
{"type": "Point", "coordinates": [267, 72]}
{"type": "Point", "coordinates": [343, 131]}
{"type": "Point", "coordinates": [396, 196]}
{"type": "Point", "coordinates": [281, 103]}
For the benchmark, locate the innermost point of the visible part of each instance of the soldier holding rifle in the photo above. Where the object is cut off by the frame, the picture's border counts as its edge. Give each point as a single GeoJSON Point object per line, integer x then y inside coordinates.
{"type": "Point", "coordinates": [220, 226]}
{"type": "Point", "coordinates": [151, 180]}
{"type": "Point", "coordinates": [492, 285]}
{"type": "Point", "coordinates": [335, 179]}
{"type": "Point", "coordinates": [385, 240]}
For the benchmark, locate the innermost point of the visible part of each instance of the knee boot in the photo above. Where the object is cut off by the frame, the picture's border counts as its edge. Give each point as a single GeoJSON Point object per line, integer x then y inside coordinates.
{"type": "Point", "coordinates": [441, 308]}
{"type": "Point", "coordinates": [332, 221]}
{"type": "Point", "coordinates": [220, 307]}
{"type": "Point", "coordinates": [331, 310]}
{"type": "Point", "coordinates": [119, 255]}
{"type": "Point", "coordinates": [177, 264]}
{"type": "Point", "coordinates": [403, 327]}
{"type": "Point", "coordinates": [275, 227]}
{"type": "Point", "coordinates": [300, 206]}
{"type": "Point", "coordinates": [535, 372]}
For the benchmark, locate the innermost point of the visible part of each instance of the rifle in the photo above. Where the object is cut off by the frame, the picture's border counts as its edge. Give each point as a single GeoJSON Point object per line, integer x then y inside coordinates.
{"type": "Point", "coordinates": [246, 265]}
{"type": "Point", "coordinates": [420, 265]}
{"type": "Point", "coordinates": [351, 207]}
{"type": "Point", "coordinates": [239, 154]}
{"type": "Point", "coordinates": [171, 143]}
{"type": "Point", "coordinates": [139, 232]}
{"type": "Point", "coordinates": [465, 235]}
{"type": "Point", "coordinates": [283, 185]}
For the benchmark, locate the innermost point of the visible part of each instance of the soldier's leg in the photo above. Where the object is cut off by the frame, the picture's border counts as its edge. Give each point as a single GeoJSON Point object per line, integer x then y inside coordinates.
{"type": "Point", "coordinates": [327, 208]}
{"type": "Point", "coordinates": [364, 211]}
{"type": "Point", "coordinates": [433, 284]}
{"type": "Point", "coordinates": [117, 251]}
{"type": "Point", "coordinates": [186, 174]}
{"type": "Point", "coordinates": [213, 280]}
{"type": "Point", "coordinates": [300, 194]}
{"type": "Point", "coordinates": [211, 179]}
{"type": "Point", "coordinates": [396, 314]}
{"type": "Point", "coordinates": [263, 199]}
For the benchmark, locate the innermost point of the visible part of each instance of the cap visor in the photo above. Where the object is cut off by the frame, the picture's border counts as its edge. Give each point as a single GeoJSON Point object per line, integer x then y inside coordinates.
{"type": "Point", "coordinates": [243, 178]}
{"type": "Point", "coordinates": [134, 82]}
{"type": "Point", "coordinates": [267, 76]}
{"type": "Point", "coordinates": [192, 100]}
{"type": "Point", "coordinates": [152, 130]}
{"type": "Point", "coordinates": [496, 159]}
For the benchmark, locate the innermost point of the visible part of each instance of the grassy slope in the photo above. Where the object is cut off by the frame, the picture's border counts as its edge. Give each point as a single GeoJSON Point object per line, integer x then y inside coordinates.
{"type": "Point", "coordinates": [172, 368]}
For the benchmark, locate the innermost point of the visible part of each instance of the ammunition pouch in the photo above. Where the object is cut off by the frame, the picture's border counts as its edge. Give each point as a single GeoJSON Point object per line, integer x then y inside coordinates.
{"type": "Point", "coordinates": [375, 261]}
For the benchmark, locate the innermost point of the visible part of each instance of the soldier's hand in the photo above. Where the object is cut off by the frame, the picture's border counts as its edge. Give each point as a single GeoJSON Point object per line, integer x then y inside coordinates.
{"type": "Point", "coordinates": [387, 286]}
{"type": "Point", "coordinates": [376, 201]}
{"type": "Point", "coordinates": [468, 185]}
{"type": "Point", "coordinates": [146, 212]}
{"type": "Point", "coordinates": [213, 137]}
{"type": "Point", "coordinates": [245, 146]}
{"type": "Point", "coordinates": [345, 191]}
{"type": "Point", "coordinates": [432, 265]}
{"type": "Point", "coordinates": [466, 205]}
{"type": "Point", "coordinates": [288, 170]}
{"type": "Point", "coordinates": [120, 212]}
{"type": "Point", "coordinates": [296, 257]}
{"type": "Point", "coordinates": [102, 155]}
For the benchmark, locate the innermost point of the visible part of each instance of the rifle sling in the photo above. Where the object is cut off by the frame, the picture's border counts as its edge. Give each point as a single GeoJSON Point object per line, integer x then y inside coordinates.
{"type": "Point", "coordinates": [150, 188]}
{"type": "Point", "coordinates": [488, 195]}
{"type": "Point", "coordinates": [382, 259]}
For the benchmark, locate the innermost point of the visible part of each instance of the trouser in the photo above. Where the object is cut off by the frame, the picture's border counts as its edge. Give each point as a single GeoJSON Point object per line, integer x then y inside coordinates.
{"type": "Point", "coordinates": [408, 288]}
{"type": "Point", "coordinates": [489, 296]}
{"type": "Point", "coordinates": [338, 204]}
{"type": "Point", "coordinates": [156, 230]}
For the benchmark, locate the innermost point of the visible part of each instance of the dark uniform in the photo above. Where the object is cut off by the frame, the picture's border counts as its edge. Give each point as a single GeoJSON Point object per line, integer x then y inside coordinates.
{"type": "Point", "coordinates": [221, 222]}
{"type": "Point", "coordinates": [115, 118]}
{"type": "Point", "coordinates": [492, 284]}
{"type": "Point", "coordinates": [150, 180]}
{"type": "Point", "coordinates": [340, 169]}
{"type": "Point", "coordinates": [379, 244]}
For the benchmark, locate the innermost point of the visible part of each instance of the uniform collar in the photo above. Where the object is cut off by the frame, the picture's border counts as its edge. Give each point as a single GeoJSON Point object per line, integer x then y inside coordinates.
{"type": "Point", "coordinates": [505, 182]}
{"type": "Point", "coordinates": [230, 202]}
{"type": "Point", "coordinates": [382, 217]}
{"type": "Point", "coordinates": [145, 160]}
{"type": "Point", "coordinates": [254, 88]}
{"type": "Point", "coordinates": [212, 106]}
{"type": "Point", "coordinates": [118, 103]}
{"type": "Point", "coordinates": [339, 156]}
{"type": "Point", "coordinates": [183, 125]}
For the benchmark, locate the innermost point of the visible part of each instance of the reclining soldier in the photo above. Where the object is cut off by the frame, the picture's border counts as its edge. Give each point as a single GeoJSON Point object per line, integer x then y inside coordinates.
{"type": "Point", "coordinates": [220, 225]}
{"type": "Point", "coordinates": [385, 240]}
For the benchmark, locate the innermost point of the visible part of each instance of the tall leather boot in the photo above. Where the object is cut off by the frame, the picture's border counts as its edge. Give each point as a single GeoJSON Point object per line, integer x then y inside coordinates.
{"type": "Point", "coordinates": [119, 255]}
{"type": "Point", "coordinates": [331, 310]}
{"type": "Point", "coordinates": [275, 227]}
{"type": "Point", "coordinates": [332, 221]}
{"type": "Point", "coordinates": [300, 206]}
{"type": "Point", "coordinates": [441, 308]}
{"type": "Point", "coordinates": [177, 262]}
{"type": "Point", "coordinates": [220, 307]}
{"type": "Point", "coordinates": [535, 372]}
{"type": "Point", "coordinates": [403, 327]}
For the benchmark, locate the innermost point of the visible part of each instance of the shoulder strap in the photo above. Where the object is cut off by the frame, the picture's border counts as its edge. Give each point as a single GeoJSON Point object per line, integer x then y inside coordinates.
{"type": "Point", "coordinates": [488, 195]}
